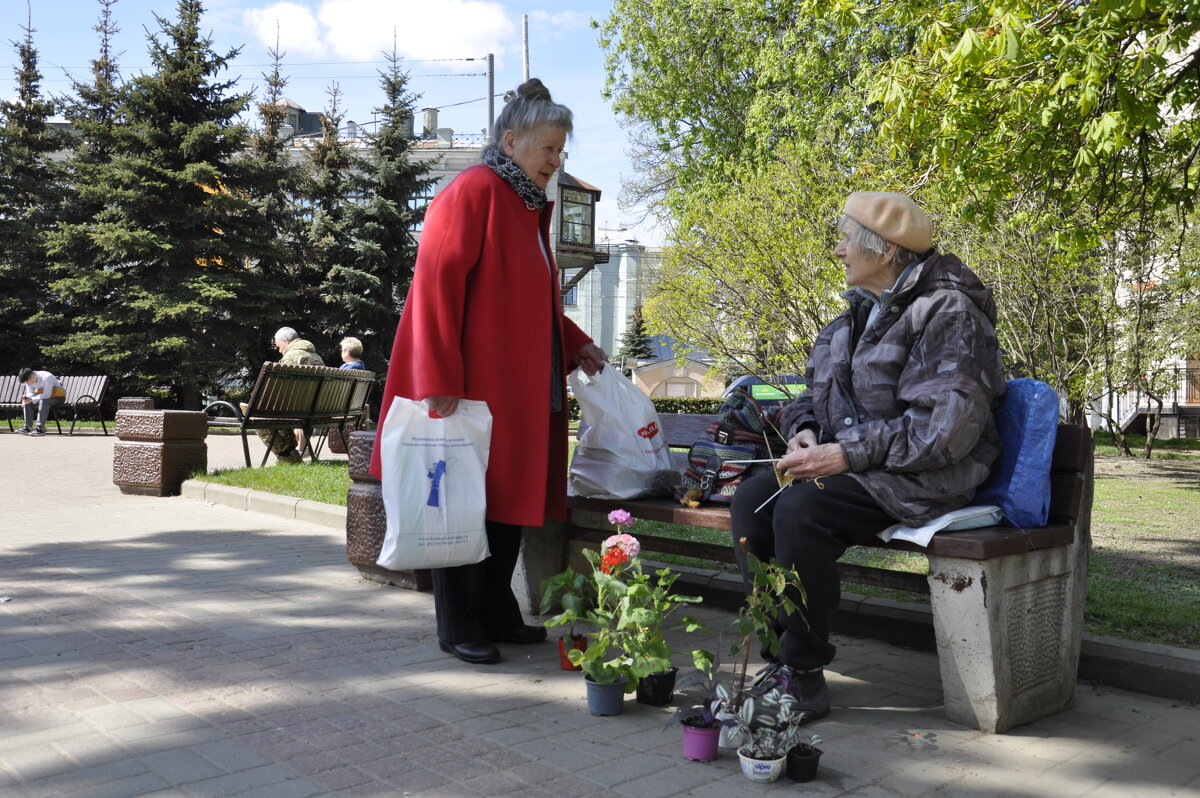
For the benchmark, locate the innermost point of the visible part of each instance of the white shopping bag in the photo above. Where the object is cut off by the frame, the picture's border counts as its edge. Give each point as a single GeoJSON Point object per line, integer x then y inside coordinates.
{"type": "Point", "coordinates": [622, 448]}
{"type": "Point", "coordinates": [434, 492]}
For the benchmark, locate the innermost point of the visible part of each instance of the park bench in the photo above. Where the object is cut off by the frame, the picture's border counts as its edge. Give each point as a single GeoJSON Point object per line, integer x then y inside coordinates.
{"type": "Point", "coordinates": [289, 396]}
{"type": "Point", "coordinates": [1007, 603]}
{"type": "Point", "coordinates": [83, 394]}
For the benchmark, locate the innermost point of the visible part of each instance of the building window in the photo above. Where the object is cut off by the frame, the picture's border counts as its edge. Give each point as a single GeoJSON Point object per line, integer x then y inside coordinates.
{"type": "Point", "coordinates": [578, 218]}
{"type": "Point", "coordinates": [572, 296]}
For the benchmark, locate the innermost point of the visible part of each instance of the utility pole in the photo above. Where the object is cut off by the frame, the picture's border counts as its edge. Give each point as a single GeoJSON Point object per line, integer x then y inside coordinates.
{"type": "Point", "coordinates": [525, 39]}
{"type": "Point", "coordinates": [491, 97]}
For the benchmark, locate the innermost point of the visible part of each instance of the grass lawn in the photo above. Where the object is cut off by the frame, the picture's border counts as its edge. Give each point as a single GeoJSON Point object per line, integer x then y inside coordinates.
{"type": "Point", "coordinates": [1144, 576]}
{"type": "Point", "coordinates": [323, 481]}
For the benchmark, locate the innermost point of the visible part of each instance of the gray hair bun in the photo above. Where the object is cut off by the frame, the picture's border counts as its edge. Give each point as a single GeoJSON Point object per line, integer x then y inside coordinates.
{"type": "Point", "coordinates": [534, 90]}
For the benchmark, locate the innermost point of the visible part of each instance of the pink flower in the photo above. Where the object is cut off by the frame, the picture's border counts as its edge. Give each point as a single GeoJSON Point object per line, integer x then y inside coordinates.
{"type": "Point", "coordinates": [620, 518]}
{"type": "Point", "coordinates": [627, 544]}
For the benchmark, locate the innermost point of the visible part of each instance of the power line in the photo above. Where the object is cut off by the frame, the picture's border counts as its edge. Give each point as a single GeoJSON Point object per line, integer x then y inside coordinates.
{"type": "Point", "coordinates": [290, 64]}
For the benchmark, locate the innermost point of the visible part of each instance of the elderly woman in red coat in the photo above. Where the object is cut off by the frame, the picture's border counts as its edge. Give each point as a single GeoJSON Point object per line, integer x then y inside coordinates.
{"type": "Point", "coordinates": [483, 320]}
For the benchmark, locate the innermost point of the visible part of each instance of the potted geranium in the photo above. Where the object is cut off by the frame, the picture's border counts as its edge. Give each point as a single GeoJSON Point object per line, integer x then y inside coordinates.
{"type": "Point", "coordinates": [628, 617]}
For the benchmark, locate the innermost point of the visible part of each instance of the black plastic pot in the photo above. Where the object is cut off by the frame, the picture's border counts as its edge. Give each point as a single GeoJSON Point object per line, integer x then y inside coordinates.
{"type": "Point", "coordinates": [657, 689]}
{"type": "Point", "coordinates": [802, 763]}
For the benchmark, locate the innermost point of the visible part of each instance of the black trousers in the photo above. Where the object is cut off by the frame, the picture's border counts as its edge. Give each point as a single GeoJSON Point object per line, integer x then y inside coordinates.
{"type": "Point", "coordinates": [807, 528]}
{"type": "Point", "coordinates": [472, 600]}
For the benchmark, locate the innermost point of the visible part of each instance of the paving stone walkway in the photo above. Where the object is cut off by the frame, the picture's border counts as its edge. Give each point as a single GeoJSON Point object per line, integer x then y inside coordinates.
{"type": "Point", "coordinates": [168, 647]}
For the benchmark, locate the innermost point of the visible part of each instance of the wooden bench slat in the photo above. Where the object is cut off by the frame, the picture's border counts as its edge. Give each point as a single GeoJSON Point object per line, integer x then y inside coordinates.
{"type": "Point", "coordinates": [666, 510]}
{"type": "Point", "coordinates": [664, 545]}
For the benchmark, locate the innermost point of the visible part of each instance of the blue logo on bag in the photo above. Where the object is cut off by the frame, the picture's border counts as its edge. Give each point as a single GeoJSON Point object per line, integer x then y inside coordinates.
{"type": "Point", "coordinates": [436, 473]}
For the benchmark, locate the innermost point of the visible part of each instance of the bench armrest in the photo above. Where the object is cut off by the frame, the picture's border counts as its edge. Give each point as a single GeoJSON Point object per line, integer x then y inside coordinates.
{"type": "Point", "coordinates": [237, 412]}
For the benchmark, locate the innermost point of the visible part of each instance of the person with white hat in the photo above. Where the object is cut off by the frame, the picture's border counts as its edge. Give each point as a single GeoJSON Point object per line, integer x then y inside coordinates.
{"type": "Point", "coordinates": [895, 424]}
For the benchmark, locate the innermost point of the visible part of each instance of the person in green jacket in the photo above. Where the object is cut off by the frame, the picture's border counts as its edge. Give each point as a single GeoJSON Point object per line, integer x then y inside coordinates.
{"type": "Point", "coordinates": [288, 445]}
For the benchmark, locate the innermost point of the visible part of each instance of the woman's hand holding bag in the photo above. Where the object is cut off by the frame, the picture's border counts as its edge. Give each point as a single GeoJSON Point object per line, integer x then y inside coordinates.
{"type": "Point", "coordinates": [434, 489]}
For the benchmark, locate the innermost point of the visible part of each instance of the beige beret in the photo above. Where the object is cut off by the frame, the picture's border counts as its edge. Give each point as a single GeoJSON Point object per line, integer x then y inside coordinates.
{"type": "Point", "coordinates": [894, 216]}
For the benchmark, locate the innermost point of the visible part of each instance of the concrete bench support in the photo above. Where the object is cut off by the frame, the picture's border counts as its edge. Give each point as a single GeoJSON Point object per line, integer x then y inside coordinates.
{"type": "Point", "coordinates": [1008, 634]}
{"type": "Point", "coordinates": [156, 450]}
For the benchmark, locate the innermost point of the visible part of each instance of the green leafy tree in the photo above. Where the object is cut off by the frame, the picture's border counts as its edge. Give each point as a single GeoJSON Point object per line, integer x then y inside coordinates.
{"type": "Point", "coordinates": [31, 190]}
{"type": "Point", "coordinates": [636, 343]}
{"type": "Point", "coordinates": [714, 90]}
{"type": "Point", "coordinates": [759, 262]}
{"type": "Point", "coordinates": [1050, 305]}
{"type": "Point", "coordinates": [370, 288]}
{"type": "Point", "coordinates": [1075, 105]}
{"type": "Point", "coordinates": [167, 276]}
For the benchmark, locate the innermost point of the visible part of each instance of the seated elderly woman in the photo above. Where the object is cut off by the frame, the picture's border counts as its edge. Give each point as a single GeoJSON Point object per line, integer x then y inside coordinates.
{"type": "Point", "coordinates": [895, 424]}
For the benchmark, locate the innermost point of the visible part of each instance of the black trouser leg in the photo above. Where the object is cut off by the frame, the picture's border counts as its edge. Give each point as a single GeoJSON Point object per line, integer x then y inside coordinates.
{"type": "Point", "coordinates": [470, 599]}
{"type": "Point", "coordinates": [807, 528]}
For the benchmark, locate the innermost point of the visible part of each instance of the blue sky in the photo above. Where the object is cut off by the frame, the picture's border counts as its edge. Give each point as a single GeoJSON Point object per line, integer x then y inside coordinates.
{"type": "Point", "coordinates": [328, 41]}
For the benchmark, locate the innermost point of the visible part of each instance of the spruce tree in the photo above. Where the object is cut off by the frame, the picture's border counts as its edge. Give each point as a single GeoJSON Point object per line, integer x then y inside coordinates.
{"type": "Point", "coordinates": [166, 274]}
{"type": "Point", "coordinates": [92, 114]}
{"type": "Point", "coordinates": [371, 288]}
{"type": "Point", "coordinates": [31, 190]}
{"type": "Point", "coordinates": [332, 179]}
{"type": "Point", "coordinates": [636, 343]}
{"type": "Point", "coordinates": [274, 196]}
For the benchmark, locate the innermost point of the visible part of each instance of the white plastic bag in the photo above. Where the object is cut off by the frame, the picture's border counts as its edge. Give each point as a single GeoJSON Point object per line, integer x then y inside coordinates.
{"type": "Point", "coordinates": [622, 448]}
{"type": "Point", "coordinates": [434, 490]}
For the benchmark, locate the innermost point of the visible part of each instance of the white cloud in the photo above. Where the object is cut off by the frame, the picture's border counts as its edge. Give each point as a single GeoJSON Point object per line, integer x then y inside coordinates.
{"type": "Point", "coordinates": [362, 29]}
{"type": "Point", "coordinates": [295, 25]}
{"type": "Point", "coordinates": [562, 19]}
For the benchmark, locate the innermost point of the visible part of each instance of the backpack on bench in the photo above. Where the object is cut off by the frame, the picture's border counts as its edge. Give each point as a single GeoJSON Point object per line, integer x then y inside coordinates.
{"type": "Point", "coordinates": [743, 431]}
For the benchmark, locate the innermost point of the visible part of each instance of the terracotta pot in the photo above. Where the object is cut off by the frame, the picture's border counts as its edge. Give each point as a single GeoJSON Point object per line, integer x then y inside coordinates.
{"type": "Point", "coordinates": [578, 642]}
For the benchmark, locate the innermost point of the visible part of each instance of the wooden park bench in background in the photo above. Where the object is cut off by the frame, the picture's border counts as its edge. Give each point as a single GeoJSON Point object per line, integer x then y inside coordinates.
{"type": "Point", "coordinates": [1007, 603]}
{"type": "Point", "coordinates": [287, 396]}
{"type": "Point", "coordinates": [84, 394]}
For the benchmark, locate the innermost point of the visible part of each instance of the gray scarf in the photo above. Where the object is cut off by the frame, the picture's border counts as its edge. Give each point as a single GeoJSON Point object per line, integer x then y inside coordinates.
{"type": "Point", "coordinates": [533, 196]}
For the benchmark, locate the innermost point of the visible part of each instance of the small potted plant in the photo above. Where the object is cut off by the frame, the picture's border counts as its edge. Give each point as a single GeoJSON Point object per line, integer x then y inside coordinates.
{"type": "Point", "coordinates": [774, 590]}
{"type": "Point", "coordinates": [628, 617]}
{"type": "Point", "coordinates": [770, 726]}
{"type": "Point", "coordinates": [575, 594]}
{"type": "Point", "coordinates": [803, 759]}
{"type": "Point", "coordinates": [699, 722]}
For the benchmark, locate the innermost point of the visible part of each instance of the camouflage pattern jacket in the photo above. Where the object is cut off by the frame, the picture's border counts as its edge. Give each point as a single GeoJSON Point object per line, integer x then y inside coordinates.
{"type": "Point", "coordinates": [910, 398]}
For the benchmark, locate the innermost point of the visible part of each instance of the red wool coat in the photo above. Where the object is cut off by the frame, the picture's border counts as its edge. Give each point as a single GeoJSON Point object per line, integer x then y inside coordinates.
{"type": "Point", "coordinates": [476, 324]}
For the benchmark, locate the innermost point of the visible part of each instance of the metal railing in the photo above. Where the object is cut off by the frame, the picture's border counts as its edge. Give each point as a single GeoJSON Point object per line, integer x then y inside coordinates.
{"type": "Point", "coordinates": [1183, 398]}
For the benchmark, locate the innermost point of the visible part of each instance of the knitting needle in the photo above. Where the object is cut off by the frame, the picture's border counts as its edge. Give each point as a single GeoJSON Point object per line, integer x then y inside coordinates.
{"type": "Point", "coordinates": [747, 462]}
{"type": "Point", "coordinates": [772, 496]}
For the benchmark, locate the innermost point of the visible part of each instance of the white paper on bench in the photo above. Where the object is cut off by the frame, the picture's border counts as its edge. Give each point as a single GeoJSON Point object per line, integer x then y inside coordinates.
{"type": "Point", "coordinates": [966, 518]}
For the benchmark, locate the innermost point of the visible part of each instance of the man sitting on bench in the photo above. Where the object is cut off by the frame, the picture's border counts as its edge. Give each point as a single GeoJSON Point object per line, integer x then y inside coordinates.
{"type": "Point", "coordinates": [42, 393]}
{"type": "Point", "coordinates": [895, 425]}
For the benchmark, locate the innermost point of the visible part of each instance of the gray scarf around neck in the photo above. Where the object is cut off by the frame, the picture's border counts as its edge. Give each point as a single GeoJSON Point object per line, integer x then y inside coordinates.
{"type": "Point", "coordinates": [495, 159]}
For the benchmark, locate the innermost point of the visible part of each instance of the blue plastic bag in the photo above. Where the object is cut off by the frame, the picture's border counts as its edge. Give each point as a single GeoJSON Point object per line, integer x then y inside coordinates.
{"type": "Point", "coordinates": [1019, 484]}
